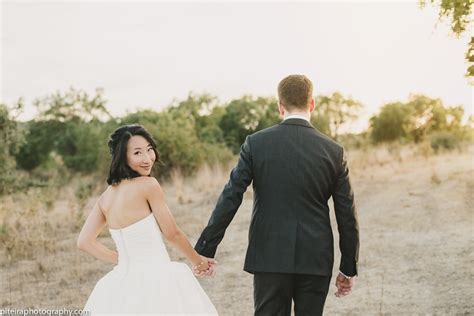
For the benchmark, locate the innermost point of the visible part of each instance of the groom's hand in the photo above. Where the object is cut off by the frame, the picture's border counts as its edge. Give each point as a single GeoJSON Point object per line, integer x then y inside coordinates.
{"type": "Point", "coordinates": [344, 285]}
{"type": "Point", "coordinates": [211, 270]}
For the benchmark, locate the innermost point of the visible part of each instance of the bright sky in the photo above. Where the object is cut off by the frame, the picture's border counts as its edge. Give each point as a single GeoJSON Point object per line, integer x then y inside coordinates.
{"type": "Point", "coordinates": [146, 54]}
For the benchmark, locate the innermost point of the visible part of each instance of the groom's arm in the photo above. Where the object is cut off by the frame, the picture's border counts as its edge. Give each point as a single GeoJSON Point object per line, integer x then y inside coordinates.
{"type": "Point", "coordinates": [346, 218]}
{"type": "Point", "coordinates": [227, 204]}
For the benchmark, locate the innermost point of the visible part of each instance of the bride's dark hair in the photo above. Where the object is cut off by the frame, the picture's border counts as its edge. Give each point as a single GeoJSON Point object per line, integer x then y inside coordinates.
{"type": "Point", "coordinates": [117, 143]}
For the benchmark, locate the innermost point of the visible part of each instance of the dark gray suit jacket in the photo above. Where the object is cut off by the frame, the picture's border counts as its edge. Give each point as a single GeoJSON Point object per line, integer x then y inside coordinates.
{"type": "Point", "coordinates": [295, 169]}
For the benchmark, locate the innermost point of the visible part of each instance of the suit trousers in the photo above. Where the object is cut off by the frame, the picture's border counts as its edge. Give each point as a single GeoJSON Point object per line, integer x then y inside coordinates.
{"type": "Point", "coordinates": [273, 293]}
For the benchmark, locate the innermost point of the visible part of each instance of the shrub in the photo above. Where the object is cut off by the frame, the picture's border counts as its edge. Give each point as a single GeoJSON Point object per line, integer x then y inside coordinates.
{"type": "Point", "coordinates": [391, 124]}
{"type": "Point", "coordinates": [443, 141]}
{"type": "Point", "coordinates": [11, 137]}
{"type": "Point", "coordinates": [40, 140]}
{"type": "Point", "coordinates": [245, 116]}
{"type": "Point", "coordinates": [355, 141]}
{"type": "Point", "coordinates": [79, 146]}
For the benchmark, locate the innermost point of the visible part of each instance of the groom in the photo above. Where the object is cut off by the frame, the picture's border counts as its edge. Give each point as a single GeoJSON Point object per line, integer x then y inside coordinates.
{"type": "Point", "coordinates": [295, 169]}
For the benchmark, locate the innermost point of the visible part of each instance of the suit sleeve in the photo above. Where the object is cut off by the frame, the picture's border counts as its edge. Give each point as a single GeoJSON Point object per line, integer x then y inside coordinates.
{"type": "Point", "coordinates": [346, 218]}
{"type": "Point", "coordinates": [227, 204]}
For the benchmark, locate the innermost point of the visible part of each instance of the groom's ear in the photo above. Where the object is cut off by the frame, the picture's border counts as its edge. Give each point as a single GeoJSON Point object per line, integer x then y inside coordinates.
{"type": "Point", "coordinates": [281, 109]}
{"type": "Point", "coordinates": [312, 105]}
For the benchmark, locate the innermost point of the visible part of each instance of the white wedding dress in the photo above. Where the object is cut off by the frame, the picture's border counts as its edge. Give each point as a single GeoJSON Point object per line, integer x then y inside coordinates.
{"type": "Point", "coordinates": [145, 280]}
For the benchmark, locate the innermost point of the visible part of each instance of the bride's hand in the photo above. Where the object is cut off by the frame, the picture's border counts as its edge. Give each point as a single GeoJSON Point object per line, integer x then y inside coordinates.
{"type": "Point", "coordinates": [206, 267]}
{"type": "Point", "coordinates": [201, 265]}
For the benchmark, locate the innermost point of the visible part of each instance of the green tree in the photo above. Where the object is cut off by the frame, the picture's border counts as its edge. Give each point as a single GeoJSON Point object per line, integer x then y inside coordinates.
{"type": "Point", "coordinates": [245, 116]}
{"type": "Point", "coordinates": [391, 123]}
{"type": "Point", "coordinates": [40, 140]}
{"type": "Point", "coordinates": [71, 125]}
{"type": "Point", "coordinates": [470, 58]}
{"type": "Point", "coordinates": [80, 144]}
{"type": "Point", "coordinates": [460, 14]}
{"type": "Point", "coordinates": [11, 137]}
{"type": "Point", "coordinates": [429, 115]}
{"type": "Point", "coordinates": [205, 112]}
{"type": "Point", "coordinates": [416, 119]}
{"type": "Point", "coordinates": [333, 111]}
{"type": "Point", "coordinates": [73, 105]}
{"type": "Point", "coordinates": [209, 130]}
{"type": "Point", "coordinates": [421, 113]}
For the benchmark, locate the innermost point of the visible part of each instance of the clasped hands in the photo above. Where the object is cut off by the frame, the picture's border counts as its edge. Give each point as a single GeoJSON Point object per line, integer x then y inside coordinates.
{"type": "Point", "coordinates": [207, 267]}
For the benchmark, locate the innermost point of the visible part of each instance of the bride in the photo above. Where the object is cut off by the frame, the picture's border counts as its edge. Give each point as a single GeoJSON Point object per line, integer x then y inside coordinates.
{"type": "Point", "coordinates": [144, 279]}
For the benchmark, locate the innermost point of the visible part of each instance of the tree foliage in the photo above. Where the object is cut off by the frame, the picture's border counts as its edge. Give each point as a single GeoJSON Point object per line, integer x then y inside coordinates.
{"type": "Point", "coordinates": [460, 14]}
{"type": "Point", "coordinates": [72, 129]}
{"type": "Point", "coordinates": [11, 138]}
{"type": "Point", "coordinates": [39, 142]}
{"type": "Point", "coordinates": [391, 123]}
{"type": "Point", "coordinates": [205, 113]}
{"type": "Point", "coordinates": [245, 116]}
{"type": "Point", "coordinates": [333, 111]}
{"type": "Point", "coordinates": [73, 105]}
{"type": "Point", "coordinates": [69, 124]}
{"type": "Point", "coordinates": [459, 11]}
{"type": "Point", "coordinates": [415, 120]}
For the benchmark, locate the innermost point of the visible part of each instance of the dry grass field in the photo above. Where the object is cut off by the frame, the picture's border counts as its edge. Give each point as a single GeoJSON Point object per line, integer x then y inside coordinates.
{"type": "Point", "coordinates": [416, 227]}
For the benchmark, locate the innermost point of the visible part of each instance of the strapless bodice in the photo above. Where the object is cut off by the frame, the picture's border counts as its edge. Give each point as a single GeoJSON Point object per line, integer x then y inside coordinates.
{"type": "Point", "coordinates": [140, 243]}
{"type": "Point", "coordinates": [145, 281]}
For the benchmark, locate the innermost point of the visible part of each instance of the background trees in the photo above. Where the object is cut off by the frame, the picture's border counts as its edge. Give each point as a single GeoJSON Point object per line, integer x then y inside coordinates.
{"type": "Point", "coordinates": [69, 124]}
{"type": "Point", "coordinates": [391, 123]}
{"type": "Point", "coordinates": [333, 111]}
{"type": "Point", "coordinates": [417, 119]}
{"type": "Point", "coordinates": [70, 133]}
{"type": "Point", "coordinates": [245, 116]}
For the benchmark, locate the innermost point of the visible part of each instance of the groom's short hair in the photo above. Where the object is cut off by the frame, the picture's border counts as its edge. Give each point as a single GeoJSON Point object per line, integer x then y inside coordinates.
{"type": "Point", "coordinates": [295, 92]}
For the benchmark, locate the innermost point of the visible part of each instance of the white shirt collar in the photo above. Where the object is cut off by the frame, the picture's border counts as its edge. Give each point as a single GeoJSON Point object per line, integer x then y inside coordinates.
{"type": "Point", "coordinates": [302, 116]}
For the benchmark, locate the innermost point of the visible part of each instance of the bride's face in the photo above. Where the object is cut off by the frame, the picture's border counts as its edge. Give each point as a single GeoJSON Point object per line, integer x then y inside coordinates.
{"type": "Point", "coordinates": [140, 155]}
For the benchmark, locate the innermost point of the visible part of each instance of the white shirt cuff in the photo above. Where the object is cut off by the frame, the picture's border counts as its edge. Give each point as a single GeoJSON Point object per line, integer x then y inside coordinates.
{"type": "Point", "coordinates": [347, 277]}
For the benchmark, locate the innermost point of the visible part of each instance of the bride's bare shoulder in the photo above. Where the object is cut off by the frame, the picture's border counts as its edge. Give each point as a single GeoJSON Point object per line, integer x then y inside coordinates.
{"type": "Point", "coordinates": [147, 183]}
{"type": "Point", "coordinates": [105, 197]}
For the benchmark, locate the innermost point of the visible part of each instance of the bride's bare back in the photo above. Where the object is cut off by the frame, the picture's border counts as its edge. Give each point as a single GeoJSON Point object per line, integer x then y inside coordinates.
{"type": "Point", "coordinates": [124, 204]}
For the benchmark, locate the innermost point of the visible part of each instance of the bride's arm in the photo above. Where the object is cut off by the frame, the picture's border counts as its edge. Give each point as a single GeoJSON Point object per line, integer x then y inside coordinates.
{"type": "Point", "coordinates": [87, 240]}
{"type": "Point", "coordinates": [171, 231]}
